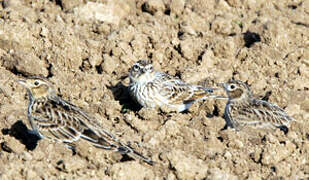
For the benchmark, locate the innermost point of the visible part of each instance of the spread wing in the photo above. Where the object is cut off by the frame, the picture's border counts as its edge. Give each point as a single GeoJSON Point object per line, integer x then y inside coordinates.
{"type": "Point", "coordinates": [261, 112]}
{"type": "Point", "coordinates": [177, 92]}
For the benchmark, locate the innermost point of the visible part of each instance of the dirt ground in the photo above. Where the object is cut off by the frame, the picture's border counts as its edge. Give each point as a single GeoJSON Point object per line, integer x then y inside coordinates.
{"type": "Point", "coordinates": [87, 47]}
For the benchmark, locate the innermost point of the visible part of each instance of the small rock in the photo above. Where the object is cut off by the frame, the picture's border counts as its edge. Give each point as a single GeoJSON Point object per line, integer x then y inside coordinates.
{"type": "Point", "coordinates": [187, 48]}
{"type": "Point", "coordinates": [67, 5]}
{"type": "Point", "coordinates": [171, 176]}
{"type": "Point", "coordinates": [12, 3]}
{"type": "Point", "coordinates": [187, 167]}
{"type": "Point", "coordinates": [283, 169]}
{"type": "Point", "coordinates": [30, 174]}
{"type": "Point", "coordinates": [112, 12]}
{"type": "Point", "coordinates": [225, 48]}
{"type": "Point", "coordinates": [214, 146]}
{"type": "Point", "coordinates": [292, 109]}
{"type": "Point", "coordinates": [256, 155]}
{"type": "Point", "coordinates": [147, 113]}
{"type": "Point", "coordinates": [235, 3]}
{"type": "Point", "coordinates": [137, 171]}
{"type": "Point", "coordinates": [25, 62]}
{"type": "Point", "coordinates": [177, 6]}
{"type": "Point", "coordinates": [217, 174]}
{"type": "Point", "coordinates": [292, 135]}
{"type": "Point", "coordinates": [15, 145]}
{"type": "Point", "coordinates": [255, 176]}
{"type": "Point", "coordinates": [153, 6]}
{"type": "Point", "coordinates": [74, 163]}
{"type": "Point", "coordinates": [227, 155]}
{"type": "Point", "coordinates": [274, 153]}
{"type": "Point", "coordinates": [235, 143]}
{"type": "Point", "coordinates": [26, 156]}
{"type": "Point", "coordinates": [222, 26]}
{"type": "Point", "coordinates": [44, 32]}
{"type": "Point", "coordinates": [108, 64]}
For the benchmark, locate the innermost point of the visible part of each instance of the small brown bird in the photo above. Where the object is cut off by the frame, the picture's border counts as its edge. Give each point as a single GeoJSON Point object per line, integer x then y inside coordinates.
{"type": "Point", "coordinates": [56, 119]}
{"type": "Point", "coordinates": [244, 110]}
{"type": "Point", "coordinates": [154, 89]}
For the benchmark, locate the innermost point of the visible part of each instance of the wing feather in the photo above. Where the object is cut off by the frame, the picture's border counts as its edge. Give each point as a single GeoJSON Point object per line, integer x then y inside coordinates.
{"type": "Point", "coordinates": [261, 112]}
{"type": "Point", "coordinates": [176, 91]}
{"type": "Point", "coordinates": [60, 120]}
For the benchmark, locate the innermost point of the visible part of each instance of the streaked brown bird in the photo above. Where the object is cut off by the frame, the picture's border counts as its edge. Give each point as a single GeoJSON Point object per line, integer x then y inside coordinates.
{"type": "Point", "coordinates": [56, 119]}
{"type": "Point", "coordinates": [243, 109]}
{"type": "Point", "coordinates": [154, 89]}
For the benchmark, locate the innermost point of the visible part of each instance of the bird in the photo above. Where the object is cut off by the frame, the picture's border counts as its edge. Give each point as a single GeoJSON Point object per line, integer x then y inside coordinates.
{"type": "Point", "coordinates": [243, 110]}
{"type": "Point", "coordinates": [152, 89]}
{"type": "Point", "coordinates": [59, 120]}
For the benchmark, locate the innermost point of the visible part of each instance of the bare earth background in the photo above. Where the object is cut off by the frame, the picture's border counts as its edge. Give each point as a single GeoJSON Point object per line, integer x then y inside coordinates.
{"type": "Point", "coordinates": [87, 48]}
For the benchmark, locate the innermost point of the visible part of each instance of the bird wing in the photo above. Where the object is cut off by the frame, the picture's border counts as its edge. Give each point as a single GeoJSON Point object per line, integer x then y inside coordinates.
{"type": "Point", "coordinates": [259, 111]}
{"type": "Point", "coordinates": [178, 92]}
{"type": "Point", "coordinates": [277, 114]}
{"type": "Point", "coordinates": [62, 121]}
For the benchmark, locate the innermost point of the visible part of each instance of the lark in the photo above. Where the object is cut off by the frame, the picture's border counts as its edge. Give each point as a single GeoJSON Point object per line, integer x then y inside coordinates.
{"type": "Point", "coordinates": [58, 120]}
{"type": "Point", "coordinates": [243, 109]}
{"type": "Point", "coordinates": [153, 89]}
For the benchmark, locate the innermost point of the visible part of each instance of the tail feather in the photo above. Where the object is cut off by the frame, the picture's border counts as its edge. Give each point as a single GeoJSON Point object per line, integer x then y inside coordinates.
{"type": "Point", "coordinates": [108, 142]}
{"type": "Point", "coordinates": [122, 149]}
{"type": "Point", "coordinates": [134, 154]}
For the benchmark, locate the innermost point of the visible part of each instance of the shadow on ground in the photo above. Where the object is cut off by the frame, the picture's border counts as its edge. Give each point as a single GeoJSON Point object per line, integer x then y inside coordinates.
{"type": "Point", "coordinates": [121, 94]}
{"type": "Point", "coordinates": [20, 131]}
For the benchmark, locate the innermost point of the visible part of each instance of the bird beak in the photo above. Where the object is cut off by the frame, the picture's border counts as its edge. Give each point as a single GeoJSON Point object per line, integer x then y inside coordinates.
{"type": "Point", "coordinates": [218, 97]}
{"type": "Point", "coordinates": [223, 85]}
{"type": "Point", "coordinates": [22, 82]}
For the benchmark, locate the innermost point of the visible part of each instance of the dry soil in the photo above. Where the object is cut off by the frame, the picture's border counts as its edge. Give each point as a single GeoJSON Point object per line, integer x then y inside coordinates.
{"type": "Point", "coordinates": [87, 47]}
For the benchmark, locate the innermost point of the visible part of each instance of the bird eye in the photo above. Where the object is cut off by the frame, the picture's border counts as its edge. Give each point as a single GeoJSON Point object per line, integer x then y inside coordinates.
{"type": "Point", "coordinates": [36, 83]}
{"type": "Point", "coordinates": [135, 67]}
{"type": "Point", "coordinates": [232, 86]}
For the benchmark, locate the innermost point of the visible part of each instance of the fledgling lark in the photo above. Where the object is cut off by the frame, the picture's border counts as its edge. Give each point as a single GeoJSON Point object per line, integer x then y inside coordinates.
{"type": "Point", "coordinates": [243, 109]}
{"type": "Point", "coordinates": [154, 89]}
{"type": "Point", "coordinates": [59, 120]}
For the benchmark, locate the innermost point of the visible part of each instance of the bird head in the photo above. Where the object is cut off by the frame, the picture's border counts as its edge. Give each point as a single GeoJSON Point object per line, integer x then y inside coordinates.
{"type": "Point", "coordinates": [237, 90]}
{"type": "Point", "coordinates": [141, 71]}
{"type": "Point", "coordinates": [38, 87]}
